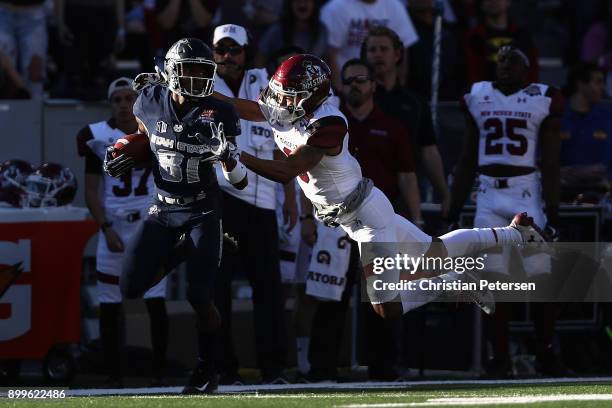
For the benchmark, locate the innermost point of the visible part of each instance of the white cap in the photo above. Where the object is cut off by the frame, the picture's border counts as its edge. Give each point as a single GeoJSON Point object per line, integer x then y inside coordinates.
{"type": "Point", "coordinates": [233, 31]}
{"type": "Point", "coordinates": [120, 84]}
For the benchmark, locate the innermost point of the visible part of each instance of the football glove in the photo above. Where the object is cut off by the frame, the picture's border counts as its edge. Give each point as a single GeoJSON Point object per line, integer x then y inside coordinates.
{"type": "Point", "coordinates": [149, 78]}
{"type": "Point", "coordinates": [220, 147]}
{"type": "Point", "coordinates": [119, 165]}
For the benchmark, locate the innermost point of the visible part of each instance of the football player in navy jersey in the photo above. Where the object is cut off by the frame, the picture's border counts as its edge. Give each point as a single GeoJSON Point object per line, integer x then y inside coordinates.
{"type": "Point", "coordinates": [187, 133]}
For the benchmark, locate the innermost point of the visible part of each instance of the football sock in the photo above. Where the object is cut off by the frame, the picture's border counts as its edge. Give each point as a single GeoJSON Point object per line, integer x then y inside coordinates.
{"type": "Point", "coordinates": [159, 333]}
{"type": "Point", "coordinates": [110, 335]}
{"type": "Point", "coordinates": [206, 347]}
{"type": "Point", "coordinates": [463, 242]}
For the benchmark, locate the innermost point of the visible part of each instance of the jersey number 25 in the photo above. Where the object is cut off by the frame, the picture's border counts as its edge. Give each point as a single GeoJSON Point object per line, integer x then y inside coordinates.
{"type": "Point", "coordinates": [497, 129]}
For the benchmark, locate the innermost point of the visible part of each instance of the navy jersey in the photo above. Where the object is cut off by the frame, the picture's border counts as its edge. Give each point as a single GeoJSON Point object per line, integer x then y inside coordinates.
{"type": "Point", "coordinates": [180, 144]}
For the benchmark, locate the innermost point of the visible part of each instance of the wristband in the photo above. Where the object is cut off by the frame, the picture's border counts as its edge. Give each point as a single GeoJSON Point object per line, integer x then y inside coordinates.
{"type": "Point", "coordinates": [237, 174]}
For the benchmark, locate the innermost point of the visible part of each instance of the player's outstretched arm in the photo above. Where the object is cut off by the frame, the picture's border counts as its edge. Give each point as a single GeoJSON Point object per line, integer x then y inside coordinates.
{"type": "Point", "coordinates": [246, 109]}
{"type": "Point", "coordinates": [283, 171]}
{"type": "Point", "coordinates": [234, 174]}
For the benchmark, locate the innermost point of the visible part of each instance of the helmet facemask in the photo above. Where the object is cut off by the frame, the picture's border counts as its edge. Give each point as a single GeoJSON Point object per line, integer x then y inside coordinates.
{"type": "Point", "coordinates": [41, 191]}
{"type": "Point", "coordinates": [284, 106]}
{"type": "Point", "coordinates": [181, 77]}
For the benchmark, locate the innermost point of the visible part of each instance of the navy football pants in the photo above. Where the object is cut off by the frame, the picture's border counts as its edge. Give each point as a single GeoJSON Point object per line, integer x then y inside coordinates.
{"type": "Point", "coordinates": [155, 245]}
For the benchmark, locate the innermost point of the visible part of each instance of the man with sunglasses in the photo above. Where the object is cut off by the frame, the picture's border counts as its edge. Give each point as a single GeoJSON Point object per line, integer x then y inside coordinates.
{"type": "Point", "coordinates": [378, 141]}
{"type": "Point", "coordinates": [313, 134]}
{"type": "Point", "coordinates": [251, 220]}
{"type": "Point", "coordinates": [186, 129]}
{"type": "Point", "coordinates": [119, 212]}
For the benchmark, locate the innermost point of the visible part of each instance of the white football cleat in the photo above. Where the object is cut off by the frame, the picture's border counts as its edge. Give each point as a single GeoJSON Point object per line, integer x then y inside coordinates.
{"type": "Point", "coordinates": [529, 231]}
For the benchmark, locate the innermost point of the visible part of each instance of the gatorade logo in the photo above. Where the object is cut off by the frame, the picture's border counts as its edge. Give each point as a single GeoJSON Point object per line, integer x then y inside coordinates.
{"type": "Point", "coordinates": [16, 303]}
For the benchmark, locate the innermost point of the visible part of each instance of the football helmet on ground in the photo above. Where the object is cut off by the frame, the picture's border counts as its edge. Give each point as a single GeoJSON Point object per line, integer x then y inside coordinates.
{"type": "Point", "coordinates": [51, 185]}
{"type": "Point", "coordinates": [13, 175]}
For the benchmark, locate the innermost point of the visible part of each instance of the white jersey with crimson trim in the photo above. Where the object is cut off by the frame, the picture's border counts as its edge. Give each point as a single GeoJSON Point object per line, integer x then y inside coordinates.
{"type": "Point", "coordinates": [334, 177]}
{"type": "Point", "coordinates": [508, 125]}
{"type": "Point", "coordinates": [131, 191]}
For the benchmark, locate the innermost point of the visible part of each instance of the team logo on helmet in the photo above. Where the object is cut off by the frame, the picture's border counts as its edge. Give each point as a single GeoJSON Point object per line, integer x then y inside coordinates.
{"type": "Point", "coordinates": [314, 74]}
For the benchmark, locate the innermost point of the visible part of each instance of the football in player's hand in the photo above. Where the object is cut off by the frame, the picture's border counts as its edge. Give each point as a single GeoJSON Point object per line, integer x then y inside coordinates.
{"type": "Point", "coordinates": [136, 146]}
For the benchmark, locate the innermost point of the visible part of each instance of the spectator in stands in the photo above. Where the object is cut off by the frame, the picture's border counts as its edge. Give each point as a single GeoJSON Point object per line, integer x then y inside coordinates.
{"type": "Point", "coordinates": [348, 22]}
{"type": "Point", "coordinates": [251, 220]}
{"type": "Point", "coordinates": [23, 40]}
{"type": "Point", "coordinates": [586, 125]}
{"type": "Point", "coordinates": [388, 161]}
{"type": "Point", "coordinates": [597, 43]}
{"type": "Point", "coordinates": [383, 49]}
{"type": "Point", "coordinates": [138, 40]}
{"type": "Point", "coordinates": [299, 27]}
{"type": "Point", "coordinates": [378, 141]}
{"type": "Point", "coordinates": [578, 18]}
{"type": "Point", "coordinates": [119, 212]}
{"type": "Point", "coordinates": [495, 31]}
{"type": "Point", "coordinates": [452, 75]}
{"type": "Point", "coordinates": [185, 18]}
{"type": "Point", "coordinates": [90, 31]}
{"type": "Point", "coordinates": [12, 85]}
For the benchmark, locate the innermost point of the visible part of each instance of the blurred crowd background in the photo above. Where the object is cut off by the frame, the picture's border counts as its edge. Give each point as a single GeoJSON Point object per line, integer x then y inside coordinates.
{"type": "Point", "coordinates": [72, 49]}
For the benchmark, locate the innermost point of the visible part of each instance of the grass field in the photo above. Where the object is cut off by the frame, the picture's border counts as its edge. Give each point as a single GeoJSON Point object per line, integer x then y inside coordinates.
{"type": "Point", "coordinates": [549, 396]}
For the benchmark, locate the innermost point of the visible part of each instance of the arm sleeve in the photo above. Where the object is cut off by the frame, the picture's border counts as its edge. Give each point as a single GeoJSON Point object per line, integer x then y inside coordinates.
{"type": "Point", "coordinates": [327, 132]}
{"type": "Point", "coordinates": [93, 164]}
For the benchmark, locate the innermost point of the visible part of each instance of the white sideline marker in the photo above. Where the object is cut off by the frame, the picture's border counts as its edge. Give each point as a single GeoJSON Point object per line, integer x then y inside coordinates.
{"type": "Point", "coordinates": [471, 401]}
{"type": "Point", "coordinates": [331, 386]}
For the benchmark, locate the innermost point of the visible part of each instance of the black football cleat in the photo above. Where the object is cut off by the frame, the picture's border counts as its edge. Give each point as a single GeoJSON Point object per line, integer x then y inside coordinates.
{"type": "Point", "coordinates": [203, 380]}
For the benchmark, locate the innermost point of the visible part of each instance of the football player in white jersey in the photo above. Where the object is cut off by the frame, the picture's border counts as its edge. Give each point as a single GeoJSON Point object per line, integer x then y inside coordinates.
{"type": "Point", "coordinates": [314, 136]}
{"type": "Point", "coordinates": [508, 120]}
{"type": "Point", "coordinates": [119, 212]}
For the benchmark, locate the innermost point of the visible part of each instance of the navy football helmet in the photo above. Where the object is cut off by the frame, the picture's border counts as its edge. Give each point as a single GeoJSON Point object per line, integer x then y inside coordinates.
{"type": "Point", "coordinates": [189, 68]}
